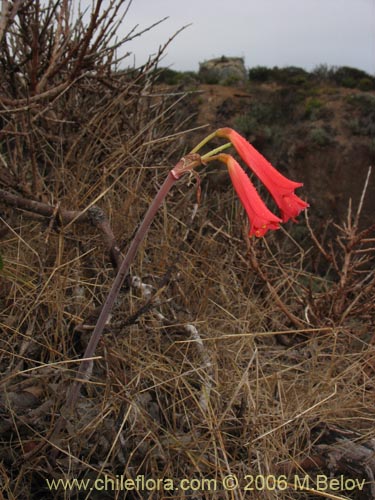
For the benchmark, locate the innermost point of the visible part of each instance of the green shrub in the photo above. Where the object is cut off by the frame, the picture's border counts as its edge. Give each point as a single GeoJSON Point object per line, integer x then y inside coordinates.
{"type": "Point", "coordinates": [323, 73]}
{"type": "Point", "coordinates": [344, 76]}
{"type": "Point", "coordinates": [354, 126]}
{"type": "Point", "coordinates": [166, 75]}
{"type": "Point", "coordinates": [371, 146]}
{"type": "Point", "coordinates": [291, 75]}
{"type": "Point", "coordinates": [351, 77]}
{"type": "Point", "coordinates": [260, 74]}
{"type": "Point", "coordinates": [366, 84]}
{"type": "Point", "coordinates": [364, 126]}
{"type": "Point", "coordinates": [246, 124]}
{"type": "Point", "coordinates": [364, 102]}
{"type": "Point", "coordinates": [171, 77]}
{"type": "Point", "coordinates": [312, 107]}
{"type": "Point", "coordinates": [210, 77]}
{"type": "Point", "coordinates": [231, 81]}
{"type": "Point", "coordinates": [348, 82]}
{"type": "Point", "coordinates": [364, 122]}
{"type": "Point", "coordinates": [320, 136]}
{"type": "Point", "coordinates": [259, 119]}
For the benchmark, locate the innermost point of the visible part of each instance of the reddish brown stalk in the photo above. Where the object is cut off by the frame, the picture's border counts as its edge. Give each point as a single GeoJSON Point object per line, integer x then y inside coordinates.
{"type": "Point", "coordinates": [85, 365]}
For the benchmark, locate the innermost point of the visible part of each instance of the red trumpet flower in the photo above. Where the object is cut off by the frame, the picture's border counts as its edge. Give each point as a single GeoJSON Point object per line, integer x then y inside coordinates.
{"type": "Point", "coordinates": [281, 188]}
{"type": "Point", "coordinates": [261, 219]}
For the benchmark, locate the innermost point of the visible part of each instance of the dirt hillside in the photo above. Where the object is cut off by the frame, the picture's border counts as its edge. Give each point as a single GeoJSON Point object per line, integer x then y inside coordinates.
{"type": "Point", "coordinates": [323, 136]}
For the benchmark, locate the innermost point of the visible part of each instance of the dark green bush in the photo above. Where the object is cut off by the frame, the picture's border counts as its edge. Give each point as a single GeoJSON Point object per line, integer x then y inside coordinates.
{"type": "Point", "coordinates": [344, 76]}
{"type": "Point", "coordinates": [255, 119]}
{"type": "Point", "coordinates": [364, 124]}
{"type": "Point", "coordinates": [166, 75]}
{"type": "Point", "coordinates": [261, 74]}
{"type": "Point", "coordinates": [320, 136]}
{"type": "Point", "coordinates": [364, 102]}
{"type": "Point", "coordinates": [210, 77]}
{"type": "Point", "coordinates": [312, 107]}
{"type": "Point", "coordinates": [172, 77]}
{"type": "Point", "coordinates": [351, 77]}
{"type": "Point", "coordinates": [366, 84]}
{"type": "Point", "coordinates": [323, 73]}
{"type": "Point", "coordinates": [269, 112]}
{"type": "Point", "coordinates": [291, 75]}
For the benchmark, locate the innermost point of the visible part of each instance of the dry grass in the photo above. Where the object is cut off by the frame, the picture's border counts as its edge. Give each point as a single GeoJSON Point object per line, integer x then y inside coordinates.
{"type": "Point", "coordinates": [224, 355]}
{"type": "Point", "coordinates": [165, 400]}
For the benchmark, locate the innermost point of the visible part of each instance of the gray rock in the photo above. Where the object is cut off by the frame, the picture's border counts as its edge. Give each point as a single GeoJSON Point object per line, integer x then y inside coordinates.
{"type": "Point", "coordinates": [223, 70]}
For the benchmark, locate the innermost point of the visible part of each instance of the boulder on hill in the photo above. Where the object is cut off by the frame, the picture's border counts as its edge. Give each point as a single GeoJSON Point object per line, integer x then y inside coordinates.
{"type": "Point", "coordinates": [223, 70]}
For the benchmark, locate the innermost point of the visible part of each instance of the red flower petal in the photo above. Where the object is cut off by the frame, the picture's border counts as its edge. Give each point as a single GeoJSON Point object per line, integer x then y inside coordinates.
{"type": "Point", "coordinates": [281, 188]}
{"type": "Point", "coordinates": [261, 219]}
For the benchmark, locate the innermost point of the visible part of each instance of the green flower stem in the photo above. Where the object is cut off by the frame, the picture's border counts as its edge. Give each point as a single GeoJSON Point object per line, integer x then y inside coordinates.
{"type": "Point", "coordinates": [202, 143]}
{"type": "Point", "coordinates": [205, 141]}
{"type": "Point", "coordinates": [216, 151]}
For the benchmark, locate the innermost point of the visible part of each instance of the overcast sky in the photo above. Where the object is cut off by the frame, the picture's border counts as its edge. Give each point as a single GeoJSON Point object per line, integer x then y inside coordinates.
{"type": "Point", "coordinates": [302, 33]}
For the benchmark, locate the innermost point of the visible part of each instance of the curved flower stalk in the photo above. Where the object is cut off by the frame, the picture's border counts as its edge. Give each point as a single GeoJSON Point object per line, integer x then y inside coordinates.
{"type": "Point", "coordinates": [261, 219]}
{"type": "Point", "coordinates": [280, 187]}
{"type": "Point", "coordinates": [187, 164]}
